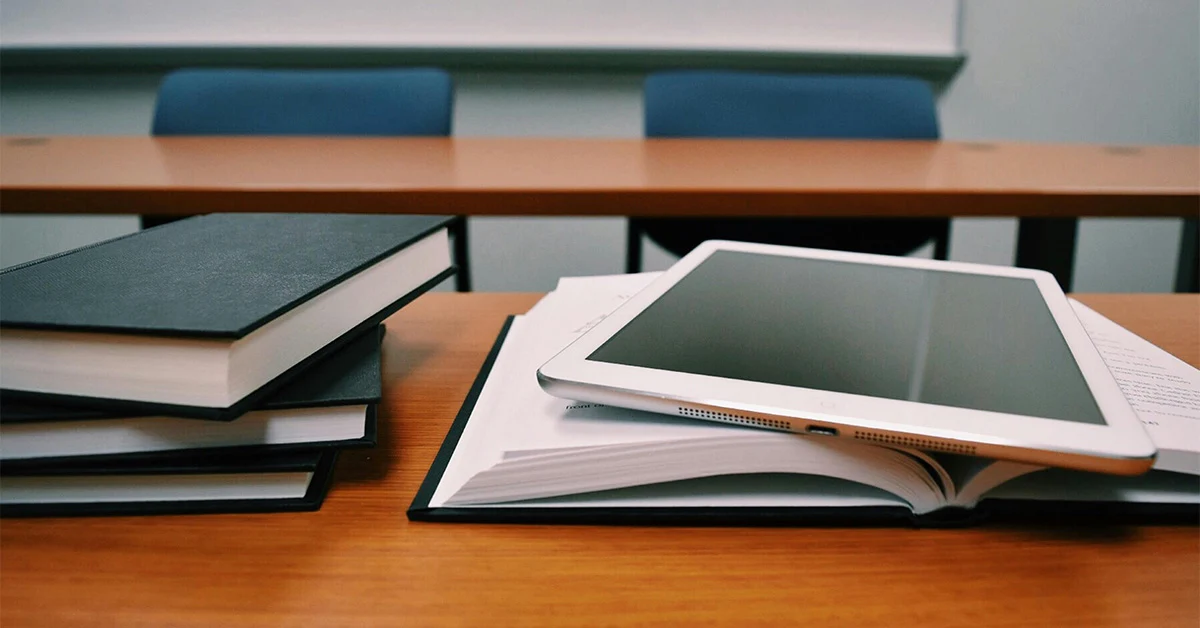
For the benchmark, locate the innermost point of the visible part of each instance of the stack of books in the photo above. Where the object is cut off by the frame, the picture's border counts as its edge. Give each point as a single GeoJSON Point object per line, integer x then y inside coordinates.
{"type": "Point", "coordinates": [515, 454]}
{"type": "Point", "coordinates": [216, 364]}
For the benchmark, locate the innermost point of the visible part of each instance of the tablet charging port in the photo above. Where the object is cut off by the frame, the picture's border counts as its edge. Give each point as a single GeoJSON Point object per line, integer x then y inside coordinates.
{"type": "Point", "coordinates": [821, 430]}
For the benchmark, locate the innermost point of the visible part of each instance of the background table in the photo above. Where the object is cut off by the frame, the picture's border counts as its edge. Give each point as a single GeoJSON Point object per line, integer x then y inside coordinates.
{"type": "Point", "coordinates": [359, 562]}
{"type": "Point", "coordinates": [1048, 186]}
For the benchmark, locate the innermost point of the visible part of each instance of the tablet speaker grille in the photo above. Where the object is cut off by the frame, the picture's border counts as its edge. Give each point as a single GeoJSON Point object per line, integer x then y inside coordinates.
{"type": "Point", "coordinates": [735, 418]}
{"type": "Point", "coordinates": [916, 443]}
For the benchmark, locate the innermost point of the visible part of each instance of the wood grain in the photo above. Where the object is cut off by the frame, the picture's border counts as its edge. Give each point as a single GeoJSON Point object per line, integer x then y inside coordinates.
{"type": "Point", "coordinates": [359, 562]}
{"type": "Point", "coordinates": [535, 176]}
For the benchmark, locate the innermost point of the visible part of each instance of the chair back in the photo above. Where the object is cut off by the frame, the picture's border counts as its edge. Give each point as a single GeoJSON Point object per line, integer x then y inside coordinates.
{"type": "Point", "coordinates": [758, 105]}
{"type": "Point", "coordinates": [416, 101]}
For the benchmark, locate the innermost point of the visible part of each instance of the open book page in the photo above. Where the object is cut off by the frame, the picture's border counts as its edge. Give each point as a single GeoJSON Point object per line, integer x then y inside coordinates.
{"type": "Point", "coordinates": [974, 477]}
{"type": "Point", "coordinates": [526, 445]}
{"type": "Point", "coordinates": [474, 450]}
{"type": "Point", "coordinates": [518, 431]}
{"type": "Point", "coordinates": [513, 414]}
{"type": "Point", "coordinates": [1163, 390]}
{"type": "Point", "coordinates": [607, 468]}
{"type": "Point", "coordinates": [620, 286]}
{"type": "Point", "coordinates": [532, 339]}
{"type": "Point", "coordinates": [760, 490]}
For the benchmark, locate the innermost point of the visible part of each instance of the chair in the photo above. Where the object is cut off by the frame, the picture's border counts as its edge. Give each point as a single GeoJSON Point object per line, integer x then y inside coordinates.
{"type": "Point", "coordinates": [751, 105]}
{"type": "Point", "coordinates": [376, 102]}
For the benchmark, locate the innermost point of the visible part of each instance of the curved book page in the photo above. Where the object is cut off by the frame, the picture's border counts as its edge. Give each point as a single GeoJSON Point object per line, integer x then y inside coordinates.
{"type": "Point", "coordinates": [587, 470]}
{"type": "Point", "coordinates": [523, 444]}
{"type": "Point", "coordinates": [976, 476]}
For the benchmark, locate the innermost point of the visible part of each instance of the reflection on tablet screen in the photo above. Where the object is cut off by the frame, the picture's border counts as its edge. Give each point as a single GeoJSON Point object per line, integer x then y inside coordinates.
{"type": "Point", "coordinates": [945, 338]}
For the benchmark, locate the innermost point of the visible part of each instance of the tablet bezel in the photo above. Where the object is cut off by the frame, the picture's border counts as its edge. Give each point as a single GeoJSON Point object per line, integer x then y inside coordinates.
{"type": "Point", "coordinates": [1119, 446]}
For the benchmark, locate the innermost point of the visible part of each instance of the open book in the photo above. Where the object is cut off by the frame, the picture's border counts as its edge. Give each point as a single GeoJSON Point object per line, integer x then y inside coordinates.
{"type": "Point", "coordinates": [518, 454]}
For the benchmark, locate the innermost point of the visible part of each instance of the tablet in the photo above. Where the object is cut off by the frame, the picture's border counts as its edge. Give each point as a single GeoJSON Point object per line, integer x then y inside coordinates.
{"type": "Point", "coordinates": [941, 356]}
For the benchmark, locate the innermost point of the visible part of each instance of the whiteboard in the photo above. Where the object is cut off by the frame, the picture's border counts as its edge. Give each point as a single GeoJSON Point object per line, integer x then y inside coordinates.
{"type": "Point", "coordinates": [889, 27]}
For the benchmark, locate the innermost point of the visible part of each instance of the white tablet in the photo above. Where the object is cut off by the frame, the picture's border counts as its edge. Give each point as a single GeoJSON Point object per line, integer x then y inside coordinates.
{"type": "Point", "coordinates": [942, 356]}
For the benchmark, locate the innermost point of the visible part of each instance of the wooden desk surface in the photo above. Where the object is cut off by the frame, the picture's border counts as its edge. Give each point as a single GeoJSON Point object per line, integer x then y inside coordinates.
{"type": "Point", "coordinates": [515, 176]}
{"type": "Point", "coordinates": [360, 562]}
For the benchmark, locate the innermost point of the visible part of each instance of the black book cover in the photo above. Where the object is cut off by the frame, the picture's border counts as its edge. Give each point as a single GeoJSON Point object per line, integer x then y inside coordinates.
{"type": "Point", "coordinates": [351, 375]}
{"type": "Point", "coordinates": [319, 462]}
{"type": "Point", "coordinates": [213, 276]}
{"type": "Point", "coordinates": [853, 516]}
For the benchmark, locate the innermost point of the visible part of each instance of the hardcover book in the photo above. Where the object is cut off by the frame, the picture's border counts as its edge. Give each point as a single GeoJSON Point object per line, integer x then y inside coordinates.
{"type": "Point", "coordinates": [517, 454]}
{"type": "Point", "coordinates": [331, 404]}
{"type": "Point", "coordinates": [253, 481]}
{"type": "Point", "coordinates": [206, 316]}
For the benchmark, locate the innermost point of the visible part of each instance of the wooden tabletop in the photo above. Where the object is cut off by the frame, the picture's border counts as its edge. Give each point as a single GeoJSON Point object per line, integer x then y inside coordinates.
{"type": "Point", "coordinates": [524, 176]}
{"type": "Point", "coordinates": [359, 562]}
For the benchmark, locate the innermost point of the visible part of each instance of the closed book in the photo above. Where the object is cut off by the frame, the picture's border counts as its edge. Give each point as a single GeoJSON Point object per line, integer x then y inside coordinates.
{"type": "Point", "coordinates": [518, 455]}
{"type": "Point", "coordinates": [254, 481]}
{"type": "Point", "coordinates": [205, 317]}
{"type": "Point", "coordinates": [331, 404]}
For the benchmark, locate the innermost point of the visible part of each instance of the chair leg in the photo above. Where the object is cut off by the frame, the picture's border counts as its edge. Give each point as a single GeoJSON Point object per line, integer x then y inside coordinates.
{"type": "Point", "coordinates": [462, 278]}
{"type": "Point", "coordinates": [633, 247]}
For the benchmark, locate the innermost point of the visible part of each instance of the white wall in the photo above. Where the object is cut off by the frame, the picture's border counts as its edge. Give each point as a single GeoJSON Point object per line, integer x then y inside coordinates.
{"type": "Point", "coordinates": [927, 27]}
{"type": "Point", "coordinates": [532, 253]}
{"type": "Point", "coordinates": [1090, 71]}
{"type": "Point", "coordinates": [69, 104]}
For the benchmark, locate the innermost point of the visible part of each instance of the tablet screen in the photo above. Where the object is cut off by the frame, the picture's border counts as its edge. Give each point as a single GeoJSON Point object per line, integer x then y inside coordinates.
{"type": "Point", "coordinates": [946, 338]}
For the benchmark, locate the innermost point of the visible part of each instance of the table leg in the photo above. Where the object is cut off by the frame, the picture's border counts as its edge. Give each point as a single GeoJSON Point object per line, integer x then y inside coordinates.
{"type": "Point", "coordinates": [633, 246]}
{"type": "Point", "coordinates": [458, 231]}
{"type": "Point", "coordinates": [1048, 244]}
{"type": "Point", "coordinates": [1187, 276]}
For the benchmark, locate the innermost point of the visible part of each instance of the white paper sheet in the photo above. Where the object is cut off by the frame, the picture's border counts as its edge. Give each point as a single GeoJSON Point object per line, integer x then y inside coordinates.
{"type": "Point", "coordinates": [1163, 390]}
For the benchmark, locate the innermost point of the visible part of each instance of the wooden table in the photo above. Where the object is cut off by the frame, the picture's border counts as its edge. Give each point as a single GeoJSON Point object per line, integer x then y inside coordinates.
{"type": "Point", "coordinates": [1047, 185]}
{"type": "Point", "coordinates": [359, 562]}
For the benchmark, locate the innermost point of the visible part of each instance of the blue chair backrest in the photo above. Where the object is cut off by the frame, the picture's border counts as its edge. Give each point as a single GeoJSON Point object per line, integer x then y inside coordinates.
{"type": "Point", "coordinates": [416, 101]}
{"type": "Point", "coordinates": [746, 104]}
